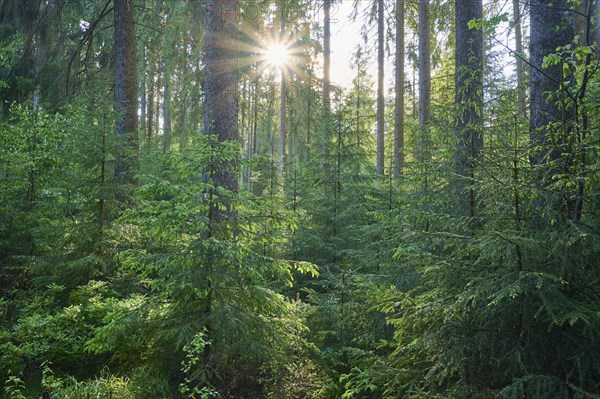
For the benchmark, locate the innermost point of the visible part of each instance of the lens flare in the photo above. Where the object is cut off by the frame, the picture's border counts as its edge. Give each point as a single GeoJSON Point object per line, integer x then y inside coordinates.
{"type": "Point", "coordinates": [276, 55]}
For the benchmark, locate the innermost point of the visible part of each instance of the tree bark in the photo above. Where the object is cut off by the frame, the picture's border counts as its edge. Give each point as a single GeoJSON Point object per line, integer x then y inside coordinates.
{"type": "Point", "coordinates": [326, 77]}
{"type": "Point", "coordinates": [158, 98]}
{"type": "Point", "coordinates": [166, 108]}
{"type": "Point", "coordinates": [595, 30]}
{"type": "Point", "coordinates": [308, 113]}
{"type": "Point", "coordinates": [126, 105]}
{"type": "Point", "coordinates": [220, 85]}
{"type": "Point", "coordinates": [380, 94]}
{"type": "Point", "coordinates": [282, 124]}
{"type": "Point", "coordinates": [143, 103]}
{"type": "Point", "coordinates": [551, 27]}
{"type": "Point", "coordinates": [243, 111]}
{"type": "Point", "coordinates": [521, 90]}
{"type": "Point", "coordinates": [150, 116]}
{"type": "Point", "coordinates": [468, 97]}
{"type": "Point", "coordinates": [580, 19]}
{"type": "Point", "coordinates": [399, 91]}
{"type": "Point", "coordinates": [250, 130]}
{"type": "Point", "coordinates": [255, 121]}
{"type": "Point", "coordinates": [184, 101]}
{"type": "Point", "coordinates": [424, 79]}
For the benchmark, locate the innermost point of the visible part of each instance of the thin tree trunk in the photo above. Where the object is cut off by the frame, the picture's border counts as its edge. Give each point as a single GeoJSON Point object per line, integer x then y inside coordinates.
{"type": "Point", "coordinates": [185, 100]}
{"type": "Point", "coordinates": [142, 78]}
{"type": "Point", "coordinates": [255, 121]}
{"type": "Point", "coordinates": [595, 29]}
{"type": "Point", "coordinates": [250, 137]}
{"type": "Point", "coordinates": [282, 124]}
{"type": "Point", "coordinates": [143, 89]}
{"type": "Point", "coordinates": [243, 112]}
{"type": "Point", "coordinates": [415, 73]}
{"type": "Point", "coordinates": [399, 91]}
{"type": "Point", "coordinates": [309, 113]}
{"type": "Point", "coordinates": [158, 98]}
{"type": "Point", "coordinates": [199, 92]}
{"type": "Point", "coordinates": [380, 94]}
{"type": "Point", "coordinates": [521, 89]}
{"type": "Point", "coordinates": [150, 116]}
{"type": "Point", "coordinates": [243, 134]}
{"type": "Point", "coordinates": [580, 19]}
{"type": "Point", "coordinates": [358, 102]}
{"type": "Point", "coordinates": [282, 98]}
{"type": "Point", "coordinates": [292, 136]}
{"type": "Point", "coordinates": [424, 79]}
{"type": "Point", "coordinates": [102, 199]}
{"type": "Point", "coordinates": [166, 108]}
{"type": "Point", "coordinates": [326, 76]}
{"type": "Point", "coordinates": [580, 159]}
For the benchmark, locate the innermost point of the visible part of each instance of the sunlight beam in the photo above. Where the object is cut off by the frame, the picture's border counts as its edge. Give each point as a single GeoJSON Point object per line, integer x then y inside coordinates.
{"type": "Point", "coordinates": [276, 55]}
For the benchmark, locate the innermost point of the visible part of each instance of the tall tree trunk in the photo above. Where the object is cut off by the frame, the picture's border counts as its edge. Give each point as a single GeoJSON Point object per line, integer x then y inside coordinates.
{"type": "Point", "coordinates": [243, 111]}
{"type": "Point", "coordinates": [143, 91]}
{"type": "Point", "coordinates": [415, 73]}
{"type": "Point", "coordinates": [399, 91]}
{"type": "Point", "coordinates": [282, 124]}
{"type": "Point", "coordinates": [595, 29]}
{"type": "Point", "coordinates": [166, 108]}
{"type": "Point", "coordinates": [150, 116]}
{"type": "Point", "coordinates": [183, 100]}
{"type": "Point", "coordinates": [580, 19]}
{"type": "Point", "coordinates": [255, 121]}
{"type": "Point", "coordinates": [326, 76]}
{"type": "Point", "coordinates": [158, 98]}
{"type": "Point", "coordinates": [220, 121]}
{"type": "Point", "coordinates": [142, 78]}
{"type": "Point", "coordinates": [244, 136]}
{"type": "Point", "coordinates": [282, 97]}
{"type": "Point", "coordinates": [220, 83]}
{"type": "Point", "coordinates": [308, 113]}
{"type": "Point", "coordinates": [250, 135]}
{"type": "Point", "coordinates": [380, 94]}
{"type": "Point", "coordinates": [551, 128]}
{"type": "Point", "coordinates": [357, 115]}
{"type": "Point", "coordinates": [521, 90]}
{"type": "Point", "coordinates": [548, 31]}
{"type": "Point", "coordinates": [424, 79]}
{"type": "Point", "coordinates": [126, 163]}
{"type": "Point", "coordinates": [468, 97]}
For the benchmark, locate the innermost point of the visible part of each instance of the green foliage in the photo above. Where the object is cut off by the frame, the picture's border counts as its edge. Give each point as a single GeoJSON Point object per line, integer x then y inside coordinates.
{"type": "Point", "coordinates": [193, 290]}
{"type": "Point", "coordinates": [503, 306]}
{"type": "Point", "coordinates": [196, 384]}
{"type": "Point", "coordinates": [107, 385]}
{"type": "Point", "coordinates": [14, 387]}
{"type": "Point", "coordinates": [358, 383]}
{"type": "Point", "coordinates": [197, 273]}
{"type": "Point", "coordinates": [51, 236]}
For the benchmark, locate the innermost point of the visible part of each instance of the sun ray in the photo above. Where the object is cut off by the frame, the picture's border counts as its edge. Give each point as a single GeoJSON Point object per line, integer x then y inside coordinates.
{"type": "Point", "coordinates": [277, 55]}
{"type": "Point", "coordinates": [258, 51]}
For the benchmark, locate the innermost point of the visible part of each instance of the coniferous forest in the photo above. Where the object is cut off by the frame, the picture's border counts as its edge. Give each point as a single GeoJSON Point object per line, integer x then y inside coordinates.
{"type": "Point", "coordinates": [193, 206]}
